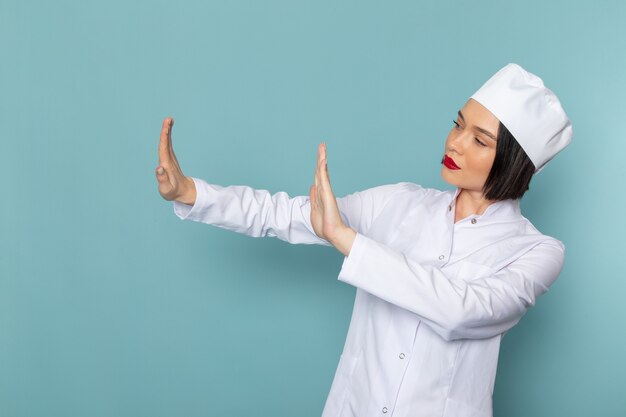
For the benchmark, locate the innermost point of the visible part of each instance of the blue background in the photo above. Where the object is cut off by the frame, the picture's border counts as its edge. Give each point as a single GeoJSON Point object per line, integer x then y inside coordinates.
{"type": "Point", "coordinates": [112, 306]}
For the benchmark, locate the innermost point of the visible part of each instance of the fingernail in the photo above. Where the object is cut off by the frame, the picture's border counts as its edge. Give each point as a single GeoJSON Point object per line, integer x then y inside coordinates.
{"type": "Point", "coordinates": [160, 170]}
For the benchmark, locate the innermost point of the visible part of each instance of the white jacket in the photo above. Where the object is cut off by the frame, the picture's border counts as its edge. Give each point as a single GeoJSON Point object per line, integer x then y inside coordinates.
{"type": "Point", "coordinates": [433, 297]}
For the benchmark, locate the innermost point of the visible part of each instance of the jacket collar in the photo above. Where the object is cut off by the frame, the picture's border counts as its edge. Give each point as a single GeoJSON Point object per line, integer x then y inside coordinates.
{"type": "Point", "coordinates": [504, 209]}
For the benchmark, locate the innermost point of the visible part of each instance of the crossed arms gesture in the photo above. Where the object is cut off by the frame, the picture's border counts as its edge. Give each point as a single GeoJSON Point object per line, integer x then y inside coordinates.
{"type": "Point", "coordinates": [325, 218]}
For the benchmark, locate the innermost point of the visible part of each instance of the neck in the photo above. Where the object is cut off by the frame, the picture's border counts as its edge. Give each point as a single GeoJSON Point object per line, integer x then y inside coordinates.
{"type": "Point", "coordinates": [470, 202]}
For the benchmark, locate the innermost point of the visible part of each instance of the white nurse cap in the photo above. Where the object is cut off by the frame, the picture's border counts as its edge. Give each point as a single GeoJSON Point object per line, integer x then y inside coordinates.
{"type": "Point", "coordinates": [530, 111]}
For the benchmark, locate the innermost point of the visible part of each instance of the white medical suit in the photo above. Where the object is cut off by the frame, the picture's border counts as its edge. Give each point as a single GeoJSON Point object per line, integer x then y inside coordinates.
{"type": "Point", "coordinates": [433, 297]}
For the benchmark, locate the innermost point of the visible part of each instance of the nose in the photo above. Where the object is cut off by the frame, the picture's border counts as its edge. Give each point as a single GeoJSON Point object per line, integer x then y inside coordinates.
{"type": "Point", "coordinates": [456, 142]}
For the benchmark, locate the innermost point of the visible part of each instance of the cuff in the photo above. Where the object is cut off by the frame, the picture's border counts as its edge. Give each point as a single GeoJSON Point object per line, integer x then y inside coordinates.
{"type": "Point", "coordinates": [203, 196]}
{"type": "Point", "coordinates": [349, 268]}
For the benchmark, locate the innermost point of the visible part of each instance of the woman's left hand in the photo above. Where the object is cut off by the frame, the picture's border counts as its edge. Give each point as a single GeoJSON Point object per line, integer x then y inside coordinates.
{"type": "Point", "coordinates": [325, 217]}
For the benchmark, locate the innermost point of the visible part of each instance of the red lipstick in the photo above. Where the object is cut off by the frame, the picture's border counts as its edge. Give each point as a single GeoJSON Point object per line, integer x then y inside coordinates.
{"type": "Point", "coordinates": [449, 163]}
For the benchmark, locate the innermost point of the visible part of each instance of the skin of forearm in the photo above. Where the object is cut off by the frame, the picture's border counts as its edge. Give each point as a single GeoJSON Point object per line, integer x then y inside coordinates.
{"type": "Point", "coordinates": [189, 195]}
{"type": "Point", "coordinates": [343, 240]}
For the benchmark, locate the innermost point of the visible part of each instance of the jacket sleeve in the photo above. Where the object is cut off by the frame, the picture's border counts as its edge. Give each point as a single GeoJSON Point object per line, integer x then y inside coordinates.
{"type": "Point", "coordinates": [454, 308]}
{"type": "Point", "coordinates": [258, 213]}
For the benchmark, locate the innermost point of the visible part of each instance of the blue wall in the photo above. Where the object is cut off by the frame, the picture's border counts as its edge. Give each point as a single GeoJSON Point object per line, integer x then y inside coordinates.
{"type": "Point", "coordinates": [111, 306]}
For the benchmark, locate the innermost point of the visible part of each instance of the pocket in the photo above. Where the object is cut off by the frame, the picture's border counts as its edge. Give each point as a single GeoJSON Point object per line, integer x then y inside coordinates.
{"type": "Point", "coordinates": [456, 408]}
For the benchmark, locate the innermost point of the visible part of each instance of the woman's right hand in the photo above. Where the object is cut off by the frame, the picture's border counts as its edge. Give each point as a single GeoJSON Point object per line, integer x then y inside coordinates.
{"type": "Point", "coordinates": [173, 185]}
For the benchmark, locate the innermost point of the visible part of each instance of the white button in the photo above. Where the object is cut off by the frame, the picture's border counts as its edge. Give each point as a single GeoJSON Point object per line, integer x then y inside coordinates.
{"type": "Point", "coordinates": [384, 410]}
{"type": "Point", "coordinates": [474, 221]}
{"type": "Point", "coordinates": [401, 356]}
{"type": "Point", "coordinates": [441, 257]}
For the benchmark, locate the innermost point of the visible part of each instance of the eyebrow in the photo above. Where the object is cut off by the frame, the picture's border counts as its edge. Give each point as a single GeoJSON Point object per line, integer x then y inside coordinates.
{"type": "Point", "coordinates": [480, 129]}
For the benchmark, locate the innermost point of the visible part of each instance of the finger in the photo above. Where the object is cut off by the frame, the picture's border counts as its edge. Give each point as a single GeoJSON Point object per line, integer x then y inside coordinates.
{"type": "Point", "coordinates": [329, 201]}
{"type": "Point", "coordinates": [324, 174]}
{"type": "Point", "coordinates": [164, 146]}
{"type": "Point", "coordinates": [161, 174]}
{"type": "Point", "coordinates": [166, 188]}
{"type": "Point", "coordinates": [173, 158]}
{"type": "Point", "coordinates": [169, 136]}
{"type": "Point", "coordinates": [169, 143]}
{"type": "Point", "coordinates": [317, 166]}
{"type": "Point", "coordinates": [319, 198]}
{"type": "Point", "coordinates": [323, 168]}
{"type": "Point", "coordinates": [312, 196]}
{"type": "Point", "coordinates": [317, 176]}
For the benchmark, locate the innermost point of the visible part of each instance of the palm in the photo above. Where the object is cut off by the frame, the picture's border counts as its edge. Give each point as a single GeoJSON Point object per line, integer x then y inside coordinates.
{"type": "Point", "coordinates": [325, 217]}
{"type": "Point", "coordinates": [171, 180]}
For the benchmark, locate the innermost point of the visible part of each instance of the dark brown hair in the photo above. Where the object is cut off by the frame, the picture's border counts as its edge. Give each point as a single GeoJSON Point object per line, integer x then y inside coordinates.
{"type": "Point", "coordinates": [511, 171]}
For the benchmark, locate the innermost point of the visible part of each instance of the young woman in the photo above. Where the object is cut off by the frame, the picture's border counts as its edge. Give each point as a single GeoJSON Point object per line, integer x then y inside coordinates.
{"type": "Point", "coordinates": [440, 275]}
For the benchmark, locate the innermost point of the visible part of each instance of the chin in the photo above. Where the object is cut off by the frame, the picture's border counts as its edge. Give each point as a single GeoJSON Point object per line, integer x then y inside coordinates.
{"type": "Point", "coordinates": [445, 174]}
